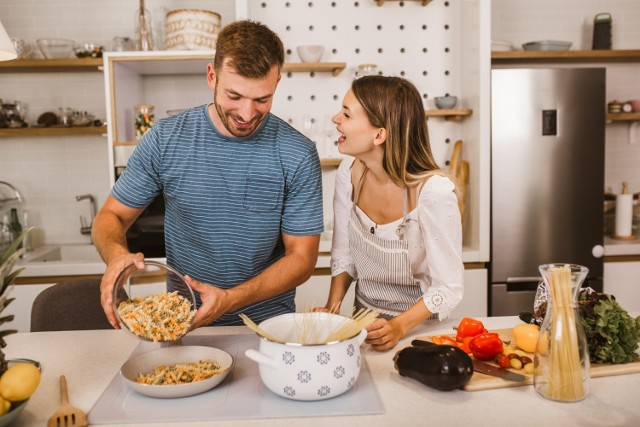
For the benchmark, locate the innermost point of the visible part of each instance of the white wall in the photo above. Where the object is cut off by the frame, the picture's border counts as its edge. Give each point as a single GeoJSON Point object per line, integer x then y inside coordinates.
{"type": "Point", "coordinates": [423, 44]}
{"type": "Point", "coordinates": [521, 21]}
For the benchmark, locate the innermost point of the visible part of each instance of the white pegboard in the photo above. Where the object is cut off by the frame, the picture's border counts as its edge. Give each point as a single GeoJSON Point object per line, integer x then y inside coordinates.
{"type": "Point", "coordinates": [403, 38]}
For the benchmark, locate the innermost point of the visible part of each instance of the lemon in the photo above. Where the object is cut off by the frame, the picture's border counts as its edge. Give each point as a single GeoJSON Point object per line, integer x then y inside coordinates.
{"type": "Point", "coordinates": [5, 406]}
{"type": "Point", "coordinates": [19, 382]}
{"type": "Point", "coordinates": [526, 336]}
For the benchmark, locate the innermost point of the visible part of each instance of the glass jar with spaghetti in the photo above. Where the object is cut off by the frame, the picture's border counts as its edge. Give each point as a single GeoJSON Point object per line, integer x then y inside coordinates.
{"type": "Point", "coordinates": [144, 119]}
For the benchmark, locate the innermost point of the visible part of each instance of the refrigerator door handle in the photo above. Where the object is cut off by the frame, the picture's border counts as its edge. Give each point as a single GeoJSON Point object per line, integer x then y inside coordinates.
{"type": "Point", "coordinates": [523, 279]}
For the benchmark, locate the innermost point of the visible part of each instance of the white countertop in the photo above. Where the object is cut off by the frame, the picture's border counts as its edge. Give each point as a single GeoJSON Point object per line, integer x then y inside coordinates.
{"type": "Point", "coordinates": [90, 359]}
{"type": "Point", "coordinates": [615, 247]}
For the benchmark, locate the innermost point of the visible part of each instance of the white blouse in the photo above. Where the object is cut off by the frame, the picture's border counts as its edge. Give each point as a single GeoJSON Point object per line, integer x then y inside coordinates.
{"type": "Point", "coordinates": [434, 234]}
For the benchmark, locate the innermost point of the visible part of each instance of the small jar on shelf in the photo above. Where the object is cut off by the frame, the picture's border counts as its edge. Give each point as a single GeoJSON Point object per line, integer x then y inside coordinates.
{"type": "Point", "coordinates": [144, 119]}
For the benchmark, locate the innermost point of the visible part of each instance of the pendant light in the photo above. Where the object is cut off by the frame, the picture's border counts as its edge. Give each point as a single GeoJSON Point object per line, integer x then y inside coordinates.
{"type": "Point", "coordinates": [7, 51]}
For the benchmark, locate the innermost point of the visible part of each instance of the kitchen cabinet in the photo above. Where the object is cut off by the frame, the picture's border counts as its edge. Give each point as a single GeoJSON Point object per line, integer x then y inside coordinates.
{"type": "Point", "coordinates": [621, 280]}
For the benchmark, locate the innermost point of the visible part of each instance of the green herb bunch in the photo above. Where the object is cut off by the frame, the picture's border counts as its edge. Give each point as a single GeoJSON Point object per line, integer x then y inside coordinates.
{"type": "Point", "coordinates": [612, 334]}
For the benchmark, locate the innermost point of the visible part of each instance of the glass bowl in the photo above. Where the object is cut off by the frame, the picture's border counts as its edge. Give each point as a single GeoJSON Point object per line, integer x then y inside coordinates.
{"type": "Point", "coordinates": [158, 305]}
{"type": "Point", "coordinates": [55, 48]}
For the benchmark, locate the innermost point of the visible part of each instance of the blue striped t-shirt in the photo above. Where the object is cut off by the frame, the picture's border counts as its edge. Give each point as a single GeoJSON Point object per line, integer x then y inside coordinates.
{"type": "Point", "coordinates": [227, 199]}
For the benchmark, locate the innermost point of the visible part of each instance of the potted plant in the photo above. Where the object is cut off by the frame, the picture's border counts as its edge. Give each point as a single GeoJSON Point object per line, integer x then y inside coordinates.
{"type": "Point", "coordinates": [15, 397]}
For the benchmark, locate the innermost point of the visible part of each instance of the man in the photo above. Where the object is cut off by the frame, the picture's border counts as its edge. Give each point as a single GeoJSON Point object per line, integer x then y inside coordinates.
{"type": "Point", "coordinates": [242, 190]}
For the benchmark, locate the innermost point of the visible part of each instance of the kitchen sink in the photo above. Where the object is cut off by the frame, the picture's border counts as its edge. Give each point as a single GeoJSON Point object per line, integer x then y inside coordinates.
{"type": "Point", "coordinates": [62, 260]}
{"type": "Point", "coordinates": [65, 253]}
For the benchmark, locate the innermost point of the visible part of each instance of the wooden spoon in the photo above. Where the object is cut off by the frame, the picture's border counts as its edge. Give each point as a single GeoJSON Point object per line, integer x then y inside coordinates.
{"type": "Point", "coordinates": [67, 415]}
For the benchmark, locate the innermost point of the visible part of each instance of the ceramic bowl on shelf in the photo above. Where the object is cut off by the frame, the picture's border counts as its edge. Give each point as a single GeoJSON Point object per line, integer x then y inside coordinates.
{"type": "Point", "coordinates": [56, 48]}
{"type": "Point", "coordinates": [88, 50]}
{"type": "Point", "coordinates": [445, 102]}
{"type": "Point", "coordinates": [636, 105]}
{"type": "Point", "coordinates": [310, 53]}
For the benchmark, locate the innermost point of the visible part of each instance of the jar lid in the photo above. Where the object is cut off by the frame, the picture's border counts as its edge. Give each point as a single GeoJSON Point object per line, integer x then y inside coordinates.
{"type": "Point", "coordinates": [144, 107]}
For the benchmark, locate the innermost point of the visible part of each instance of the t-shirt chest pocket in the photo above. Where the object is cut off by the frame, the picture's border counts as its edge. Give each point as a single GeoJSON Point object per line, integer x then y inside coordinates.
{"type": "Point", "coordinates": [263, 193]}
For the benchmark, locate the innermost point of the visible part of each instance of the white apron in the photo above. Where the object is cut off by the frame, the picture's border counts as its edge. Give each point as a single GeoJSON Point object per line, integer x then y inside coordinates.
{"type": "Point", "coordinates": [385, 281]}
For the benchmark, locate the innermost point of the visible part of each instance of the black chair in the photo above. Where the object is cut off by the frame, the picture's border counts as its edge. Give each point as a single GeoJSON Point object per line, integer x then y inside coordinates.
{"type": "Point", "coordinates": [69, 306]}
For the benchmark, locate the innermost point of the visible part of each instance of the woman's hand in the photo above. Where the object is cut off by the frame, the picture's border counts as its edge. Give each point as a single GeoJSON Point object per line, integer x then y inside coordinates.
{"type": "Point", "coordinates": [384, 334]}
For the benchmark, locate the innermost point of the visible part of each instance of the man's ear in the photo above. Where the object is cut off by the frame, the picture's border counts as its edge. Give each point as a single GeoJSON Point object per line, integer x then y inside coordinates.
{"type": "Point", "coordinates": [211, 76]}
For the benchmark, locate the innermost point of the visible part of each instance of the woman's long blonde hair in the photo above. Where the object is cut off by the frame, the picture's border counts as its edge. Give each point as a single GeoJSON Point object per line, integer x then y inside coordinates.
{"type": "Point", "coordinates": [395, 104]}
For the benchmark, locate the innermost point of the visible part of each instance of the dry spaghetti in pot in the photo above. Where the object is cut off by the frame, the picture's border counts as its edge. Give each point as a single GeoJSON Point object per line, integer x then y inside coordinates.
{"type": "Point", "coordinates": [157, 317]}
{"type": "Point", "coordinates": [181, 373]}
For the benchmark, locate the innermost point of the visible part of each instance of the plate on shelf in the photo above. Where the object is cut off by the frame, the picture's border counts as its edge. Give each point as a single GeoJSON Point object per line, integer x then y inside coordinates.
{"type": "Point", "coordinates": [547, 45]}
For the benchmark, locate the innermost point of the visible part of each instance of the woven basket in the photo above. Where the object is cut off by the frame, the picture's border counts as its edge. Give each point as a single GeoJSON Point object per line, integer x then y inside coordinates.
{"type": "Point", "coordinates": [191, 29]}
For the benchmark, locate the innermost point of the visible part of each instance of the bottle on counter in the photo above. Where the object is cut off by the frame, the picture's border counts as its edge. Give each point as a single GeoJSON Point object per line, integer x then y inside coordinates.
{"type": "Point", "coordinates": [15, 226]}
{"type": "Point", "coordinates": [6, 237]}
{"type": "Point", "coordinates": [144, 119]}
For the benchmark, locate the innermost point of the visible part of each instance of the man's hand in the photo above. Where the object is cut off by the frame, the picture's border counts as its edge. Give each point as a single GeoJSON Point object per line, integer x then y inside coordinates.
{"type": "Point", "coordinates": [115, 267]}
{"type": "Point", "coordinates": [214, 302]}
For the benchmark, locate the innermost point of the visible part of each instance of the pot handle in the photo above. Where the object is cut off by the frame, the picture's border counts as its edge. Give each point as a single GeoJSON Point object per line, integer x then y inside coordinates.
{"type": "Point", "coordinates": [258, 357]}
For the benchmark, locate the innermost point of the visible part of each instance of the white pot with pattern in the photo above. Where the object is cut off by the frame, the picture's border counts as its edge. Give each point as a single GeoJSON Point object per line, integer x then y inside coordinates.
{"type": "Point", "coordinates": [307, 371]}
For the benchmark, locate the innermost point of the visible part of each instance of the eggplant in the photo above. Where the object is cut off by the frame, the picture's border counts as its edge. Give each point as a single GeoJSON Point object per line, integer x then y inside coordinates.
{"type": "Point", "coordinates": [443, 367]}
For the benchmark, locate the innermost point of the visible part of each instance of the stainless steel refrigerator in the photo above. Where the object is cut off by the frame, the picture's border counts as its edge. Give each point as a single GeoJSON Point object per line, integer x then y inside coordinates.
{"type": "Point", "coordinates": [547, 178]}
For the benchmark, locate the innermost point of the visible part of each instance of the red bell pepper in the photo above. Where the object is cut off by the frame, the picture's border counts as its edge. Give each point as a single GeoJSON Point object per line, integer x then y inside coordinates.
{"type": "Point", "coordinates": [486, 346]}
{"type": "Point", "coordinates": [469, 327]}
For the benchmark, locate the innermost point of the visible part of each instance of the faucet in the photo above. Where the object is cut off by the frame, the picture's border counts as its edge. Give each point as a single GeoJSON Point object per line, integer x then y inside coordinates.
{"type": "Point", "coordinates": [84, 227]}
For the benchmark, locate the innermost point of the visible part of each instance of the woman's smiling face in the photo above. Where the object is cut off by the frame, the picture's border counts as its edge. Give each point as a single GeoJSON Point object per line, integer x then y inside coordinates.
{"type": "Point", "coordinates": [357, 135]}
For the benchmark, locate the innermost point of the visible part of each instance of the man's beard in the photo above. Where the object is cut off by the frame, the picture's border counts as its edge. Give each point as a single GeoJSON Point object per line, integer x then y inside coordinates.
{"type": "Point", "coordinates": [229, 124]}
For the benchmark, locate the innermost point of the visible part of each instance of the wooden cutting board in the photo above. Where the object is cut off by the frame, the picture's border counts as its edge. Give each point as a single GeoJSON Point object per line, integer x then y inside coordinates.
{"type": "Point", "coordinates": [487, 382]}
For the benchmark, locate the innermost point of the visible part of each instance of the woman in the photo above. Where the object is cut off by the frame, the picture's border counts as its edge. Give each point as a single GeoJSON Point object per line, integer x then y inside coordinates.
{"type": "Point", "coordinates": [397, 227]}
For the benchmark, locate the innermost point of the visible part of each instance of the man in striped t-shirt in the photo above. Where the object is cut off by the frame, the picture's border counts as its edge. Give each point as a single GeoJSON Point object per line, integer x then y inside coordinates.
{"type": "Point", "coordinates": [242, 190]}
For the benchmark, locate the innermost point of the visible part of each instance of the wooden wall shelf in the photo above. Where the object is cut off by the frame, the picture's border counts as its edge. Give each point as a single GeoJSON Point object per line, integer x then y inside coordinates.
{"type": "Point", "coordinates": [454, 115]}
{"type": "Point", "coordinates": [52, 131]}
{"type": "Point", "coordinates": [565, 56]}
{"type": "Point", "coordinates": [423, 2]}
{"type": "Point", "coordinates": [330, 162]}
{"type": "Point", "coordinates": [95, 64]}
{"type": "Point", "coordinates": [51, 65]}
{"type": "Point", "coordinates": [623, 117]}
{"type": "Point", "coordinates": [334, 67]}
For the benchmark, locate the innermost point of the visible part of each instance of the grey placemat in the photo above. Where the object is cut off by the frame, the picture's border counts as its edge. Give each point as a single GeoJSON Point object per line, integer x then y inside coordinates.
{"type": "Point", "coordinates": [240, 396]}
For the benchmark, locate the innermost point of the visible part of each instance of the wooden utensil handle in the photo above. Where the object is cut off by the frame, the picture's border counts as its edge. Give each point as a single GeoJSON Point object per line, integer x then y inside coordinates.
{"type": "Point", "coordinates": [63, 390]}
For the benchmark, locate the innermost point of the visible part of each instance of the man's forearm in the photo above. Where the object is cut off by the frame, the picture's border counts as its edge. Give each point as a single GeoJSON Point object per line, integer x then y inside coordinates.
{"type": "Point", "coordinates": [285, 274]}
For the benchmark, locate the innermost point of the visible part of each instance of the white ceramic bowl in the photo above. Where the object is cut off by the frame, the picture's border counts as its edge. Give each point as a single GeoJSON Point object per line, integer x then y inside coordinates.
{"type": "Point", "coordinates": [307, 372]}
{"type": "Point", "coordinates": [146, 362]}
{"type": "Point", "coordinates": [310, 53]}
{"type": "Point", "coordinates": [445, 102]}
{"type": "Point", "coordinates": [159, 273]}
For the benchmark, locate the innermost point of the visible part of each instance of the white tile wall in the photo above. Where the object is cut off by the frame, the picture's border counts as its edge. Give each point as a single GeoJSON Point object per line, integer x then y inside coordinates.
{"type": "Point", "coordinates": [521, 21]}
{"type": "Point", "coordinates": [51, 171]}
